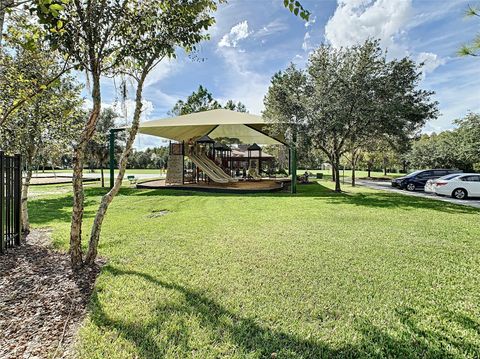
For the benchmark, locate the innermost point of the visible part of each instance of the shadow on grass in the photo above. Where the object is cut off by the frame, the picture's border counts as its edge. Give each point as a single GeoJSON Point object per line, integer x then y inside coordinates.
{"type": "Point", "coordinates": [44, 210]}
{"type": "Point", "coordinates": [249, 338]}
{"type": "Point", "coordinates": [378, 199]}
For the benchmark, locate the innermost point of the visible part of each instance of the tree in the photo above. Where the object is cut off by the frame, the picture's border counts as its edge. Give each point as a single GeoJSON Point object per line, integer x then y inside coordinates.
{"type": "Point", "coordinates": [154, 158]}
{"type": "Point", "coordinates": [202, 100]}
{"type": "Point", "coordinates": [18, 90]}
{"type": "Point", "coordinates": [155, 30]}
{"type": "Point", "coordinates": [239, 107]}
{"type": "Point", "coordinates": [285, 109]}
{"type": "Point", "coordinates": [94, 39]}
{"type": "Point", "coordinates": [98, 146]}
{"type": "Point", "coordinates": [350, 95]}
{"type": "Point", "coordinates": [296, 8]}
{"type": "Point", "coordinates": [472, 49]}
{"type": "Point", "coordinates": [468, 139]}
{"type": "Point", "coordinates": [48, 12]}
{"type": "Point", "coordinates": [49, 121]}
{"type": "Point", "coordinates": [458, 148]}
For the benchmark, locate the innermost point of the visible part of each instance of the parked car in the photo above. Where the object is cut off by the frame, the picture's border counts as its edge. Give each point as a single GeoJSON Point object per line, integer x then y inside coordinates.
{"type": "Point", "coordinates": [459, 187]}
{"type": "Point", "coordinates": [430, 185]}
{"type": "Point", "coordinates": [418, 179]}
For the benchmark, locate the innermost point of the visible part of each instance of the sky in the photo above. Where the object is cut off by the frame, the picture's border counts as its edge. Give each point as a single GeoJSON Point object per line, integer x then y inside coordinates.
{"type": "Point", "coordinates": [253, 39]}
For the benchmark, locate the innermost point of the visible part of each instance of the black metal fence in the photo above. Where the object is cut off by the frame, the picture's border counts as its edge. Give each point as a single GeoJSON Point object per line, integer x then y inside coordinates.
{"type": "Point", "coordinates": [10, 201]}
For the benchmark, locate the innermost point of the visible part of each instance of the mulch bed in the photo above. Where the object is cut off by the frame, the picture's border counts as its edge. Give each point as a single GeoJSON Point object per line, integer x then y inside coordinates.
{"type": "Point", "coordinates": [42, 301]}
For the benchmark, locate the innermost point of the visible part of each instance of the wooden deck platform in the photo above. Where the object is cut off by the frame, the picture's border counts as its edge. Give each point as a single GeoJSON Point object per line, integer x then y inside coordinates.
{"type": "Point", "coordinates": [266, 185]}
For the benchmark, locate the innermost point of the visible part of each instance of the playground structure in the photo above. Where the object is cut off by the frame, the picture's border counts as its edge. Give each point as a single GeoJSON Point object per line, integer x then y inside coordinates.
{"type": "Point", "coordinates": [200, 157]}
{"type": "Point", "coordinates": [211, 161]}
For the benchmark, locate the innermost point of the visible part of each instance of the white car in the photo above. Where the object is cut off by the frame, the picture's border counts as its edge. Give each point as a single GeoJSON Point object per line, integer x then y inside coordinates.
{"type": "Point", "coordinates": [460, 186]}
{"type": "Point", "coordinates": [430, 185]}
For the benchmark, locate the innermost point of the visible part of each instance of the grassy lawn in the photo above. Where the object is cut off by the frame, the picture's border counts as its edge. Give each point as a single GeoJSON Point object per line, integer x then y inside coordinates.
{"type": "Point", "coordinates": [300, 172]}
{"type": "Point", "coordinates": [107, 171]}
{"type": "Point", "coordinates": [318, 274]}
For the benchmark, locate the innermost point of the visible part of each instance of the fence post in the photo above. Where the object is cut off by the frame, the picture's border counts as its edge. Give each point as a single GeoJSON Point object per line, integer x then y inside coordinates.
{"type": "Point", "coordinates": [3, 243]}
{"type": "Point", "coordinates": [8, 200]}
{"type": "Point", "coordinates": [17, 197]}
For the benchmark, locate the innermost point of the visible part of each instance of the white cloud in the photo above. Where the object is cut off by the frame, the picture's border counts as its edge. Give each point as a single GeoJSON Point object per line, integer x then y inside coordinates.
{"type": "Point", "coordinates": [306, 45]}
{"type": "Point", "coordinates": [271, 28]}
{"type": "Point", "coordinates": [164, 69]}
{"type": "Point", "coordinates": [237, 33]}
{"type": "Point", "coordinates": [430, 61]}
{"type": "Point", "coordinates": [243, 84]}
{"type": "Point", "coordinates": [126, 110]}
{"type": "Point", "coordinates": [356, 20]}
{"type": "Point", "coordinates": [311, 21]}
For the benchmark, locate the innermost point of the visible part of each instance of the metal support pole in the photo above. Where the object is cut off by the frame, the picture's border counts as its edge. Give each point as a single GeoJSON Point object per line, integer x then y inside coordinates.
{"type": "Point", "coordinates": [112, 157]}
{"type": "Point", "coordinates": [3, 242]}
{"type": "Point", "coordinates": [8, 200]}
{"type": "Point", "coordinates": [289, 161]}
{"type": "Point", "coordinates": [183, 162]}
{"type": "Point", "coordinates": [17, 225]}
{"type": "Point", "coordinates": [293, 168]}
{"type": "Point", "coordinates": [112, 154]}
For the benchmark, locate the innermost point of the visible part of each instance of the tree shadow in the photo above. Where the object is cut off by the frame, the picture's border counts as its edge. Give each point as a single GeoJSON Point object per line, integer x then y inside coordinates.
{"type": "Point", "coordinates": [249, 338]}
{"type": "Point", "coordinates": [44, 210]}
{"type": "Point", "coordinates": [378, 199]}
{"type": "Point", "coordinates": [416, 341]}
{"type": "Point", "coordinates": [247, 335]}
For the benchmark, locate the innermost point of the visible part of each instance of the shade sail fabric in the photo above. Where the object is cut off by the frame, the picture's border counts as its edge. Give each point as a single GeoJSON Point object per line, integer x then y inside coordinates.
{"type": "Point", "coordinates": [246, 127]}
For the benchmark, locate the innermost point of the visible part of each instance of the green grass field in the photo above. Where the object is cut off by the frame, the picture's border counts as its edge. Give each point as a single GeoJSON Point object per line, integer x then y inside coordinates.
{"type": "Point", "coordinates": [106, 171]}
{"type": "Point", "coordinates": [319, 274]}
{"type": "Point", "coordinates": [327, 173]}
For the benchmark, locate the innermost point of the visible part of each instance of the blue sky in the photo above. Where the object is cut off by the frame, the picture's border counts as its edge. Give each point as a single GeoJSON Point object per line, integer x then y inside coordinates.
{"type": "Point", "coordinates": [253, 39]}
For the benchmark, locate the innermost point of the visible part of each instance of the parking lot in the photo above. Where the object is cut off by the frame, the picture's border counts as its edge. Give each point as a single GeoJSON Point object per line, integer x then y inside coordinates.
{"type": "Point", "coordinates": [386, 186]}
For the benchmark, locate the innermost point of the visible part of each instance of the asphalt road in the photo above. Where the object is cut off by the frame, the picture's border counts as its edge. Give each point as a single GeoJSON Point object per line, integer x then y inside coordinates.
{"type": "Point", "coordinates": [386, 186]}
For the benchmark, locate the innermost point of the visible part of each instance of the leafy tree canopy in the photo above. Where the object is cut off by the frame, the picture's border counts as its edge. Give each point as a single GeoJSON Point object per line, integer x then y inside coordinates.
{"type": "Point", "coordinates": [202, 100]}
{"type": "Point", "coordinates": [347, 96]}
{"type": "Point", "coordinates": [472, 49]}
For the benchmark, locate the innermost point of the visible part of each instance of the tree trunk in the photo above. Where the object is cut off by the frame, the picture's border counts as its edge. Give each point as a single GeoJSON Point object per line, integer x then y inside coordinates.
{"type": "Point", "coordinates": [77, 210]}
{"type": "Point", "coordinates": [354, 166]}
{"type": "Point", "coordinates": [369, 169]}
{"type": "Point", "coordinates": [337, 173]}
{"type": "Point", "coordinates": [25, 186]}
{"type": "Point", "coordinates": [385, 163]}
{"type": "Point", "coordinates": [333, 172]}
{"type": "Point", "coordinates": [3, 7]}
{"type": "Point", "coordinates": [76, 256]}
{"type": "Point", "coordinates": [353, 174]}
{"type": "Point", "coordinates": [101, 174]}
{"type": "Point", "coordinates": [108, 198]}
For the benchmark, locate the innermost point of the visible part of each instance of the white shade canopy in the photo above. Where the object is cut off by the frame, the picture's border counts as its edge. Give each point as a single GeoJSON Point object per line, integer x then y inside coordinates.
{"type": "Point", "coordinates": [245, 127]}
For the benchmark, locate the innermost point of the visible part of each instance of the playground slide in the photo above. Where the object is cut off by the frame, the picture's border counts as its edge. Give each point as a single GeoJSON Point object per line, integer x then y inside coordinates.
{"type": "Point", "coordinates": [209, 171]}
{"type": "Point", "coordinates": [215, 167]}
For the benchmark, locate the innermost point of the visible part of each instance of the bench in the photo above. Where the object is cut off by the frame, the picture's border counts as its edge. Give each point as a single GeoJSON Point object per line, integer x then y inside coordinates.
{"type": "Point", "coordinates": [132, 179]}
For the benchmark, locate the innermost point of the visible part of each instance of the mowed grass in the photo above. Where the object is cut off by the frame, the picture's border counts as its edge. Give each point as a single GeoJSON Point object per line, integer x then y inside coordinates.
{"type": "Point", "coordinates": [318, 274]}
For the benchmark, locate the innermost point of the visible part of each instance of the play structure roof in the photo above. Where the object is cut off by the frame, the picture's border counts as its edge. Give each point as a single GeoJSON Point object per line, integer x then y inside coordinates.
{"type": "Point", "coordinates": [245, 127]}
{"type": "Point", "coordinates": [254, 147]}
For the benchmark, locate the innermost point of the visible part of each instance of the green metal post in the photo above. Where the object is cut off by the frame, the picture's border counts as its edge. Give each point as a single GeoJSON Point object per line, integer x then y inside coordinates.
{"type": "Point", "coordinates": [293, 168]}
{"type": "Point", "coordinates": [112, 157]}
